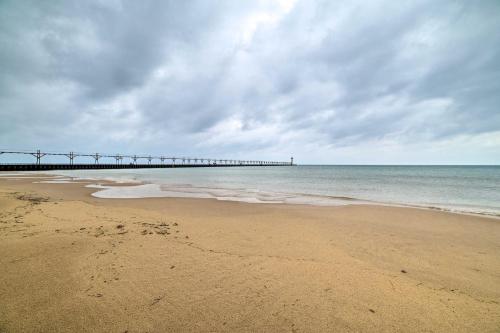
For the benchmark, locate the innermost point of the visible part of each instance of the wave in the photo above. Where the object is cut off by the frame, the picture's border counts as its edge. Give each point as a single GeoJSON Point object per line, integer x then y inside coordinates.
{"type": "Point", "coordinates": [257, 196]}
{"type": "Point", "coordinates": [151, 190]}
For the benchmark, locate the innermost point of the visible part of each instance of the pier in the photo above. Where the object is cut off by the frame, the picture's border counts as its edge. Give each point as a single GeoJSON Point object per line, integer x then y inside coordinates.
{"type": "Point", "coordinates": [122, 161]}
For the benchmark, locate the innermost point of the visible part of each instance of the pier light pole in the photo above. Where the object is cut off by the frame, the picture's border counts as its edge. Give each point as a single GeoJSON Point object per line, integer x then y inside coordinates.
{"type": "Point", "coordinates": [96, 158]}
{"type": "Point", "coordinates": [38, 156]}
{"type": "Point", "coordinates": [134, 158]}
{"type": "Point", "coordinates": [71, 157]}
{"type": "Point", "coordinates": [149, 159]}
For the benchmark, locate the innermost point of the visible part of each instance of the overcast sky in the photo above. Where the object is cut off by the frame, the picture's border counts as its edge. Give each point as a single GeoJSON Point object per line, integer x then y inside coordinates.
{"type": "Point", "coordinates": [382, 82]}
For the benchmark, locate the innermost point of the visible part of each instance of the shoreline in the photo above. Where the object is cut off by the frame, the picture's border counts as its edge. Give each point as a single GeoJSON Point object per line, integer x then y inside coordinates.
{"type": "Point", "coordinates": [101, 185]}
{"type": "Point", "coordinates": [183, 264]}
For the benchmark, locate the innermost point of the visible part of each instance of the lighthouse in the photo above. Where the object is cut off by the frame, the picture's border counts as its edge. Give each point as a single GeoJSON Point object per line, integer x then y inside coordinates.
{"type": "Point", "coordinates": [291, 160]}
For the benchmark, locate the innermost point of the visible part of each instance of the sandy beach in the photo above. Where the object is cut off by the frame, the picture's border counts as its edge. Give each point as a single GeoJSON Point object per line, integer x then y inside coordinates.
{"type": "Point", "coordinates": [71, 262]}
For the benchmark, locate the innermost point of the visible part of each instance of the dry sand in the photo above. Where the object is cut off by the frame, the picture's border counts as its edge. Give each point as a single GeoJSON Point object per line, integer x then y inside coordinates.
{"type": "Point", "coordinates": [73, 263]}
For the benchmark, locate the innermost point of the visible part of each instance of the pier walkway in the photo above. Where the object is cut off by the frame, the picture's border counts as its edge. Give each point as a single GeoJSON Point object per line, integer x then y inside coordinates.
{"type": "Point", "coordinates": [126, 162]}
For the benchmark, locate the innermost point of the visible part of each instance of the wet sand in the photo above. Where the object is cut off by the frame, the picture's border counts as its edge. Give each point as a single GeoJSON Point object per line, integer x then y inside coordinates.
{"type": "Point", "coordinates": [74, 263]}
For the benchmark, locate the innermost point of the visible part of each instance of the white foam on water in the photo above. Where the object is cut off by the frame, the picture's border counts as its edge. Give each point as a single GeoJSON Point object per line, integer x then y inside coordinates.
{"type": "Point", "coordinates": [187, 191]}
{"type": "Point", "coordinates": [58, 181]}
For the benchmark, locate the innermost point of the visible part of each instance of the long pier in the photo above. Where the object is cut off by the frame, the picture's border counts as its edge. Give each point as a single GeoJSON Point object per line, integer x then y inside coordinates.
{"type": "Point", "coordinates": [125, 162]}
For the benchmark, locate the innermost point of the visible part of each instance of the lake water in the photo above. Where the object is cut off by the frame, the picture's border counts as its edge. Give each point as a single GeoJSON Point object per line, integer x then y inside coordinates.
{"type": "Point", "coordinates": [474, 189]}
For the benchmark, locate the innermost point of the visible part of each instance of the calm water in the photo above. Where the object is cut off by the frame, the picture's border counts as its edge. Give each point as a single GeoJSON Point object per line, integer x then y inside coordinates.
{"type": "Point", "coordinates": [456, 188]}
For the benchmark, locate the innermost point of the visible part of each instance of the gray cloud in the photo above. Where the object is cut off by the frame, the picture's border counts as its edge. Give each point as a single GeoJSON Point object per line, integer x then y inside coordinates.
{"type": "Point", "coordinates": [321, 79]}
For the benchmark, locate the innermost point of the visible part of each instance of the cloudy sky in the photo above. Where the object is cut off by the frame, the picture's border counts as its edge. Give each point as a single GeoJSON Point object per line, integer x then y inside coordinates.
{"type": "Point", "coordinates": [411, 82]}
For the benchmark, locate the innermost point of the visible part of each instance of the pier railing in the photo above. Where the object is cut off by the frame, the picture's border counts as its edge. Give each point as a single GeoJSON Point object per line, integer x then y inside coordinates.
{"type": "Point", "coordinates": [126, 161]}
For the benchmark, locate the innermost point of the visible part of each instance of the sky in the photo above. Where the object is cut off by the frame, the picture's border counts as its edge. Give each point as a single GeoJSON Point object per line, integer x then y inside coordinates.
{"type": "Point", "coordinates": [329, 82]}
